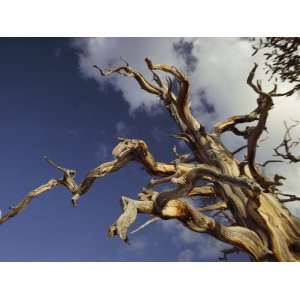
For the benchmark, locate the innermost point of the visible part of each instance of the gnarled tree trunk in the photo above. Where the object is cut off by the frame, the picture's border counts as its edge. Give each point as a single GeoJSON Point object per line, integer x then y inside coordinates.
{"type": "Point", "coordinates": [257, 220]}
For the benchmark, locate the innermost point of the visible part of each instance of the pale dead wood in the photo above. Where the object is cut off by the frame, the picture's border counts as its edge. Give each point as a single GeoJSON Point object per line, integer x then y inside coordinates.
{"type": "Point", "coordinates": [52, 183]}
{"type": "Point", "coordinates": [257, 221]}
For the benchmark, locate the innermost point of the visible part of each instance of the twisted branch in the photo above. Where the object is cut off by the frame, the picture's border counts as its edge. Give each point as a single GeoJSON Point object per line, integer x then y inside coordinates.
{"type": "Point", "coordinates": [211, 172]}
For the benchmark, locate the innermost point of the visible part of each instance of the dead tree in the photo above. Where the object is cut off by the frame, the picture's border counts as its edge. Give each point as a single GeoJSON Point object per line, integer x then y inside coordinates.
{"type": "Point", "coordinates": [256, 219]}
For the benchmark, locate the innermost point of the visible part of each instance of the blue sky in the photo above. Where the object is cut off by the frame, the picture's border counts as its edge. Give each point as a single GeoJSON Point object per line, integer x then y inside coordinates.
{"type": "Point", "coordinates": [52, 104]}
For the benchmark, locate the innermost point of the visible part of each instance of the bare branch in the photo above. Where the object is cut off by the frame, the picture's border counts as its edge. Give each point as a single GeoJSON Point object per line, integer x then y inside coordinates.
{"type": "Point", "coordinates": [177, 105]}
{"type": "Point", "coordinates": [129, 215]}
{"type": "Point", "coordinates": [202, 191]}
{"type": "Point", "coordinates": [250, 78]}
{"type": "Point", "coordinates": [182, 103]}
{"type": "Point", "coordinates": [52, 183]}
{"type": "Point", "coordinates": [181, 157]}
{"type": "Point", "coordinates": [265, 103]}
{"type": "Point", "coordinates": [127, 150]}
{"type": "Point", "coordinates": [185, 184]}
{"type": "Point", "coordinates": [288, 144]}
{"type": "Point", "coordinates": [145, 224]}
{"type": "Point", "coordinates": [239, 149]}
{"type": "Point", "coordinates": [270, 161]}
{"type": "Point", "coordinates": [230, 123]}
{"type": "Point", "coordinates": [216, 206]}
{"type": "Point", "coordinates": [68, 180]}
{"type": "Point", "coordinates": [256, 221]}
{"type": "Point", "coordinates": [128, 71]}
{"type": "Point", "coordinates": [289, 197]}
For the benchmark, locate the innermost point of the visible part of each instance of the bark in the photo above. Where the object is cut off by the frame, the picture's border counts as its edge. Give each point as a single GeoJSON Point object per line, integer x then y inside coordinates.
{"type": "Point", "coordinates": [257, 220]}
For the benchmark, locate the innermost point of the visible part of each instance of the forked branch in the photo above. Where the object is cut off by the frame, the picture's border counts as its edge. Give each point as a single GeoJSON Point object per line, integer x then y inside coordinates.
{"type": "Point", "coordinates": [178, 104]}
{"type": "Point", "coordinates": [284, 149]}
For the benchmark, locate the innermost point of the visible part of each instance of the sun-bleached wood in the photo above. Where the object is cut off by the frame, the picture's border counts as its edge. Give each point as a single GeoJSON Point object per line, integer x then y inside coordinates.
{"type": "Point", "coordinates": [238, 204]}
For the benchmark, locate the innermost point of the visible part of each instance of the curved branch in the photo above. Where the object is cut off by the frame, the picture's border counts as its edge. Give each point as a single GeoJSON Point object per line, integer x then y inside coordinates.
{"type": "Point", "coordinates": [202, 191]}
{"type": "Point", "coordinates": [271, 161]}
{"type": "Point", "coordinates": [239, 149]}
{"type": "Point", "coordinates": [128, 71]}
{"type": "Point", "coordinates": [124, 152]}
{"type": "Point", "coordinates": [163, 91]}
{"type": "Point", "coordinates": [178, 106]}
{"type": "Point", "coordinates": [216, 206]}
{"type": "Point", "coordinates": [52, 183]}
{"type": "Point", "coordinates": [230, 123]}
{"type": "Point", "coordinates": [265, 105]}
{"type": "Point", "coordinates": [250, 80]}
{"type": "Point", "coordinates": [245, 193]}
{"type": "Point", "coordinates": [182, 103]}
{"type": "Point", "coordinates": [289, 197]}
{"type": "Point", "coordinates": [122, 224]}
{"type": "Point", "coordinates": [127, 150]}
{"type": "Point", "coordinates": [186, 183]}
{"type": "Point", "coordinates": [154, 219]}
{"type": "Point", "coordinates": [193, 219]}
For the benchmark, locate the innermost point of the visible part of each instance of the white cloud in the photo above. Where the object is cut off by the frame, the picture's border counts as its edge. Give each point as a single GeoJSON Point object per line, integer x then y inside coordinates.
{"type": "Point", "coordinates": [106, 52]}
{"type": "Point", "coordinates": [186, 255]}
{"type": "Point", "coordinates": [137, 244]}
{"type": "Point", "coordinates": [102, 152]}
{"type": "Point", "coordinates": [158, 134]}
{"type": "Point", "coordinates": [204, 247]}
{"type": "Point", "coordinates": [220, 67]}
{"type": "Point", "coordinates": [122, 129]}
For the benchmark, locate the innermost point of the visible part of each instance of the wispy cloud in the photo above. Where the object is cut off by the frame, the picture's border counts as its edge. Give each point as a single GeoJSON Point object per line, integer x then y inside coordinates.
{"type": "Point", "coordinates": [203, 246]}
{"type": "Point", "coordinates": [122, 130]}
{"type": "Point", "coordinates": [158, 134]}
{"type": "Point", "coordinates": [102, 152]}
{"type": "Point", "coordinates": [186, 255]}
{"type": "Point", "coordinates": [137, 244]}
{"type": "Point", "coordinates": [218, 66]}
{"type": "Point", "coordinates": [106, 52]}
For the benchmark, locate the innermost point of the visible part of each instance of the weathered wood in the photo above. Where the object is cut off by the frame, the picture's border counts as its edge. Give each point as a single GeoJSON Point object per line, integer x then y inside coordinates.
{"type": "Point", "coordinates": [259, 223]}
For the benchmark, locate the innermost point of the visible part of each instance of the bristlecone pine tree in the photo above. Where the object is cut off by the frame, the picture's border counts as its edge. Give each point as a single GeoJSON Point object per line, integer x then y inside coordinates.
{"type": "Point", "coordinates": [256, 219]}
{"type": "Point", "coordinates": [282, 58]}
